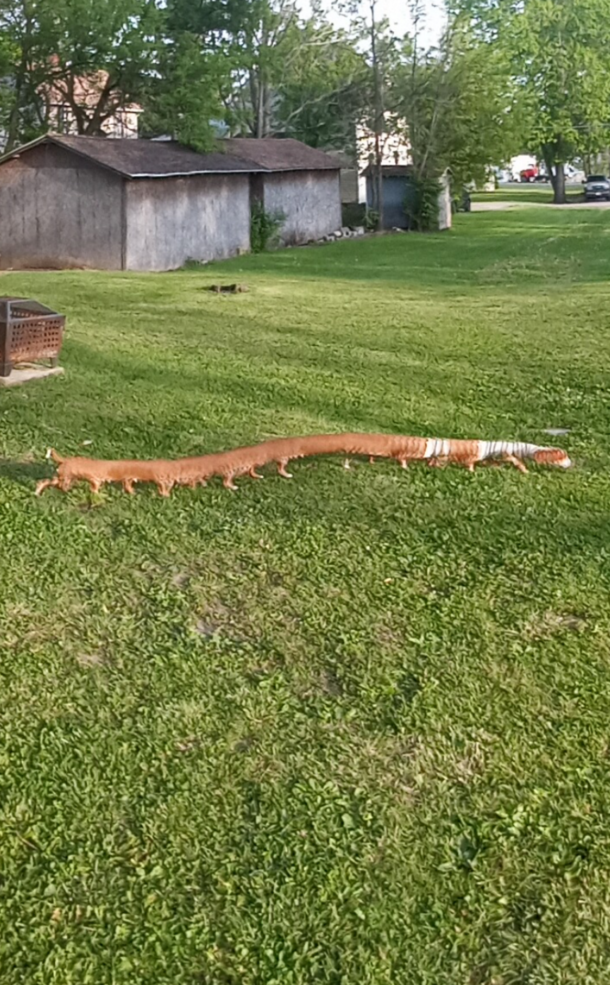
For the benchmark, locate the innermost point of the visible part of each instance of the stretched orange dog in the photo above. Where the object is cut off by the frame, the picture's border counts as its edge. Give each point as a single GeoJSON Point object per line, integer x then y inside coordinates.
{"type": "Point", "coordinates": [167, 473]}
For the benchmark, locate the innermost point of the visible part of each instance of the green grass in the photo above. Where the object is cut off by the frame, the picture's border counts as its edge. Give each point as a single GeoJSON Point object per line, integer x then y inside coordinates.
{"type": "Point", "coordinates": [350, 729]}
{"type": "Point", "coordinates": [538, 194]}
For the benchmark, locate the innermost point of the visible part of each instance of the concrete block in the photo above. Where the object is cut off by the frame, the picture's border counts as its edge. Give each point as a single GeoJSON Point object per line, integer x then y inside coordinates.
{"type": "Point", "coordinates": [25, 374]}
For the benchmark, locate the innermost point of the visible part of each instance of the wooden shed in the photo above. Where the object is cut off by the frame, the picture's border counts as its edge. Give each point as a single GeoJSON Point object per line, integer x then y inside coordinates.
{"type": "Point", "coordinates": [299, 181]}
{"type": "Point", "coordinates": [71, 201]}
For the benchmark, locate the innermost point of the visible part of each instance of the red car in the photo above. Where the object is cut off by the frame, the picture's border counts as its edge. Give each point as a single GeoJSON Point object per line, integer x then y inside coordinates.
{"type": "Point", "coordinates": [528, 174]}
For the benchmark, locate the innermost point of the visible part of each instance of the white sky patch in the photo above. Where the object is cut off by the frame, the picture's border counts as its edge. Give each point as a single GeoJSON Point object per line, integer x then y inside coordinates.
{"type": "Point", "coordinates": [397, 13]}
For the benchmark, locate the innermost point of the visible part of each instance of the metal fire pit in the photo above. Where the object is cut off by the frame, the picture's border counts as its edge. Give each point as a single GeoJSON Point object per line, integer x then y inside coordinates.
{"type": "Point", "coordinates": [29, 332]}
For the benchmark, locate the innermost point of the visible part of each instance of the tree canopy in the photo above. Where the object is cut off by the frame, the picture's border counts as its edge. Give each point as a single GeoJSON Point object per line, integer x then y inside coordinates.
{"type": "Point", "coordinates": [506, 75]}
{"type": "Point", "coordinates": [558, 53]}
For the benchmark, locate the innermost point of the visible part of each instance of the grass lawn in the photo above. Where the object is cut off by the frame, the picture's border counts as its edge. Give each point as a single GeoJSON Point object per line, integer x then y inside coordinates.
{"type": "Point", "coordinates": [351, 729]}
{"type": "Point", "coordinates": [538, 194]}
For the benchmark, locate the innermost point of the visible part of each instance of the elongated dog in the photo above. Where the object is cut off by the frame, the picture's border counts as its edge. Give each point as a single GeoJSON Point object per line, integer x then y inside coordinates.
{"type": "Point", "coordinates": [167, 473]}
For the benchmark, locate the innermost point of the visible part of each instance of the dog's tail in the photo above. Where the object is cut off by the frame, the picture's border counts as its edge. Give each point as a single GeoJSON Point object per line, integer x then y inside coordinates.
{"type": "Point", "coordinates": [51, 453]}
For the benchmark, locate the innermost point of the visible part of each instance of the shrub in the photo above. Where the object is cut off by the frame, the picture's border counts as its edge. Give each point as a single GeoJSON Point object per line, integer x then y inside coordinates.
{"type": "Point", "coordinates": [371, 220]}
{"type": "Point", "coordinates": [353, 214]}
{"type": "Point", "coordinates": [264, 227]}
{"type": "Point", "coordinates": [421, 206]}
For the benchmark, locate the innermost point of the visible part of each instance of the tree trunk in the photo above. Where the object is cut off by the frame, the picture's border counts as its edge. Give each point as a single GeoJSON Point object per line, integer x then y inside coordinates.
{"type": "Point", "coordinates": [555, 168]}
{"type": "Point", "coordinates": [260, 110]}
{"type": "Point", "coordinates": [14, 120]}
{"type": "Point", "coordinates": [559, 185]}
{"type": "Point", "coordinates": [254, 85]}
{"type": "Point", "coordinates": [102, 111]}
{"type": "Point", "coordinates": [378, 181]}
{"type": "Point", "coordinates": [379, 118]}
{"type": "Point", "coordinates": [550, 168]}
{"type": "Point", "coordinates": [12, 132]}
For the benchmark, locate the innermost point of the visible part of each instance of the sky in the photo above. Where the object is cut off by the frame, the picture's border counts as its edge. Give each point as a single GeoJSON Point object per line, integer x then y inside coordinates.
{"type": "Point", "coordinates": [397, 13]}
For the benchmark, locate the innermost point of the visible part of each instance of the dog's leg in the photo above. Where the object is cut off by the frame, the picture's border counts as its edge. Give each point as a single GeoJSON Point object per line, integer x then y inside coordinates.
{"type": "Point", "coordinates": [164, 488]}
{"type": "Point", "coordinates": [228, 482]}
{"type": "Point", "coordinates": [404, 464]}
{"type": "Point", "coordinates": [372, 459]}
{"type": "Point", "coordinates": [96, 485]}
{"type": "Point", "coordinates": [347, 464]}
{"type": "Point", "coordinates": [516, 462]}
{"type": "Point", "coordinates": [45, 484]}
{"type": "Point", "coordinates": [254, 474]}
{"type": "Point", "coordinates": [128, 486]}
{"type": "Point", "coordinates": [281, 467]}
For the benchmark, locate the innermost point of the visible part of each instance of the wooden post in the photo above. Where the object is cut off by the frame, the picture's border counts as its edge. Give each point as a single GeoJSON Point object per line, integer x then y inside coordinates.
{"type": "Point", "coordinates": [6, 338]}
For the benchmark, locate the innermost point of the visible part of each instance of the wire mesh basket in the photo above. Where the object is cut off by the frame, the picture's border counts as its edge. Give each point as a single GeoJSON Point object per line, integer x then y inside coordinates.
{"type": "Point", "coordinates": [29, 333]}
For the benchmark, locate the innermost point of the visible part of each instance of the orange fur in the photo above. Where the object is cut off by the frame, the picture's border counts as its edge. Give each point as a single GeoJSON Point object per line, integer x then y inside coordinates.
{"type": "Point", "coordinates": [97, 472]}
{"type": "Point", "coordinates": [166, 474]}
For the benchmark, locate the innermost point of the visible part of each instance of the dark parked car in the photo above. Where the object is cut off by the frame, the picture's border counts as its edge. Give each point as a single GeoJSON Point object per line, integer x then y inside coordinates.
{"type": "Point", "coordinates": [597, 187]}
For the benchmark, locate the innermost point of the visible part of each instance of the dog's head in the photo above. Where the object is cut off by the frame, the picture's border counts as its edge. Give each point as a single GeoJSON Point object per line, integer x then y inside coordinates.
{"type": "Point", "coordinates": [553, 456]}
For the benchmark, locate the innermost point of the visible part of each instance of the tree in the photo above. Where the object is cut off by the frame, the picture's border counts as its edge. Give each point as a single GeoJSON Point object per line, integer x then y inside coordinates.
{"type": "Point", "coordinates": [563, 47]}
{"type": "Point", "coordinates": [183, 97]}
{"type": "Point", "coordinates": [201, 67]}
{"type": "Point", "coordinates": [288, 75]}
{"type": "Point", "coordinates": [559, 52]}
{"type": "Point", "coordinates": [378, 106]}
{"type": "Point", "coordinates": [99, 56]}
{"type": "Point", "coordinates": [273, 71]}
{"type": "Point", "coordinates": [381, 52]}
{"type": "Point", "coordinates": [261, 50]}
{"type": "Point", "coordinates": [462, 109]}
{"type": "Point", "coordinates": [22, 51]}
{"type": "Point", "coordinates": [324, 85]}
{"type": "Point", "coordinates": [257, 65]}
{"type": "Point", "coordinates": [91, 55]}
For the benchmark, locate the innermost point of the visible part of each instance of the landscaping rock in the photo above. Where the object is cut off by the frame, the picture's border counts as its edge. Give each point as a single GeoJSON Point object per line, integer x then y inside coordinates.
{"type": "Point", "coordinates": [24, 374]}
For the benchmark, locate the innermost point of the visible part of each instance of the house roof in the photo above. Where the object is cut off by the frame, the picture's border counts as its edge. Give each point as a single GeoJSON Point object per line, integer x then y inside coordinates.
{"type": "Point", "coordinates": [165, 158]}
{"type": "Point", "coordinates": [345, 161]}
{"type": "Point", "coordinates": [142, 158]}
{"type": "Point", "coordinates": [280, 154]}
{"type": "Point", "coordinates": [389, 170]}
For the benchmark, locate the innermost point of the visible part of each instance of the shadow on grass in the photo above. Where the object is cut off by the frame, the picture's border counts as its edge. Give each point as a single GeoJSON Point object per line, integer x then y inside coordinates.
{"type": "Point", "coordinates": [269, 393]}
{"type": "Point", "coordinates": [25, 473]}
